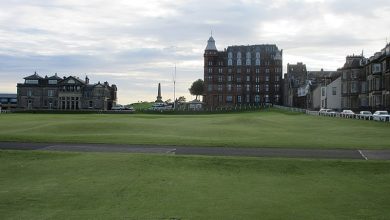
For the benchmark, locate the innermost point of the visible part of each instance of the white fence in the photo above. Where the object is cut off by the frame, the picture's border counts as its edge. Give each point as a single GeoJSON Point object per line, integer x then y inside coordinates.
{"type": "Point", "coordinates": [334, 114]}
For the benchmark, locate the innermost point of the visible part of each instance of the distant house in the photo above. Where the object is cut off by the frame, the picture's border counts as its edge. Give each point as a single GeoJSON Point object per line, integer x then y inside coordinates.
{"type": "Point", "coordinates": [67, 93]}
{"type": "Point", "coordinates": [8, 101]}
{"type": "Point", "coordinates": [331, 95]}
{"type": "Point", "coordinates": [195, 105]}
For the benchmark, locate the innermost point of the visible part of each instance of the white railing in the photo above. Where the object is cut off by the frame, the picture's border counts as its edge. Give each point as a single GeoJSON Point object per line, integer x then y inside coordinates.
{"type": "Point", "coordinates": [333, 114]}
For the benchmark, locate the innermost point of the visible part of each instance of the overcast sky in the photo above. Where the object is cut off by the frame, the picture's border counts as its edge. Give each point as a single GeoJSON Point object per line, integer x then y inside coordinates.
{"type": "Point", "coordinates": [135, 44]}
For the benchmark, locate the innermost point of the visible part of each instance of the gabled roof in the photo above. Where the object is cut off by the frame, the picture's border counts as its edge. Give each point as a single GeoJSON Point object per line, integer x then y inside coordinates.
{"type": "Point", "coordinates": [54, 77]}
{"type": "Point", "coordinates": [34, 76]}
{"type": "Point", "coordinates": [72, 80]}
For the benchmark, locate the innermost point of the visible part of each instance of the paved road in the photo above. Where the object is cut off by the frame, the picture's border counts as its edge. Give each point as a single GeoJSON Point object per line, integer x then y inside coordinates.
{"type": "Point", "coordinates": [211, 151]}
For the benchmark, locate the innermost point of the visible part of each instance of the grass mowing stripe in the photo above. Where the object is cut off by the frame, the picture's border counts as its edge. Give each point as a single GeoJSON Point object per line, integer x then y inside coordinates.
{"type": "Point", "coordinates": [53, 185]}
{"type": "Point", "coordinates": [256, 129]}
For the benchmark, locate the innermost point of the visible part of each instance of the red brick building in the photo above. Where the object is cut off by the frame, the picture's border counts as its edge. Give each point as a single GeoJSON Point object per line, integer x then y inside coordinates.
{"type": "Point", "coordinates": [242, 75]}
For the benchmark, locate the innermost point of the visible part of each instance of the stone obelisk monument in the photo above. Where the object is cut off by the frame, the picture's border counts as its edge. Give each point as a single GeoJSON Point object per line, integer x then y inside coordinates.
{"type": "Point", "coordinates": [159, 98]}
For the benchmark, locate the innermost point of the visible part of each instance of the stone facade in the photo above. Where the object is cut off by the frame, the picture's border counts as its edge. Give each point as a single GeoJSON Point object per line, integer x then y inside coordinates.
{"type": "Point", "coordinates": [377, 71]}
{"type": "Point", "coordinates": [353, 83]}
{"type": "Point", "coordinates": [242, 75]}
{"type": "Point", "coordinates": [67, 93]}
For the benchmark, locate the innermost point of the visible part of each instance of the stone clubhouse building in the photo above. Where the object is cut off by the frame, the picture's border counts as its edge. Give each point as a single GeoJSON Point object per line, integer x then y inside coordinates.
{"type": "Point", "coordinates": [67, 93]}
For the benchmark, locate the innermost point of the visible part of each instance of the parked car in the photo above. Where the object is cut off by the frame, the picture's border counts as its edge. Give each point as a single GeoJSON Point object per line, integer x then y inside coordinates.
{"type": "Point", "coordinates": [330, 112]}
{"type": "Point", "coordinates": [381, 116]}
{"type": "Point", "coordinates": [118, 107]}
{"type": "Point", "coordinates": [130, 109]}
{"type": "Point", "coordinates": [347, 114]}
{"type": "Point", "coordinates": [322, 111]}
{"type": "Point", "coordinates": [364, 115]}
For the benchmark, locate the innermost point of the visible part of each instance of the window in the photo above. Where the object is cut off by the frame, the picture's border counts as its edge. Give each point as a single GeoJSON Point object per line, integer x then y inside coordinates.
{"type": "Point", "coordinates": [210, 63]}
{"type": "Point", "coordinates": [229, 78]}
{"type": "Point", "coordinates": [219, 78]}
{"type": "Point", "coordinates": [230, 55]}
{"type": "Point", "coordinates": [266, 87]}
{"type": "Point", "coordinates": [31, 81]}
{"type": "Point", "coordinates": [248, 87]}
{"type": "Point", "coordinates": [238, 88]}
{"type": "Point", "coordinates": [257, 71]}
{"type": "Point", "coordinates": [323, 91]}
{"type": "Point", "coordinates": [277, 78]}
{"type": "Point", "coordinates": [266, 98]}
{"type": "Point", "coordinates": [239, 62]}
{"type": "Point", "coordinates": [334, 91]}
{"type": "Point", "coordinates": [248, 78]}
{"type": "Point", "coordinates": [210, 87]}
{"type": "Point", "coordinates": [257, 62]}
{"type": "Point", "coordinates": [248, 98]}
{"type": "Point", "coordinates": [210, 78]}
{"type": "Point", "coordinates": [238, 70]}
{"type": "Point", "coordinates": [52, 82]}
{"type": "Point", "coordinates": [354, 88]}
{"type": "Point", "coordinates": [257, 88]}
{"type": "Point", "coordinates": [219, 88]}
{"type": "Point", "coordinates": [210, 70]}
{"type": "Point", "coordinates": [239, 55]}
{"type": "Point", "coordinates": [29, 93]}
{"type": "Point", "coordinates": [229, 70]}
{"type": "Point", "coordinates": [376, 68]}
{"type": "Point", "coordinates": [248, 70]}
{"type": "Point", "coordinates": [220, 70]}
{"type": "Point", "coordinates": [50, 93]}
{"type": "Point", "coordinates": [239, 99]}
{"type": "Point", "coordinates": [220, 98]}
{"type": "Point", "coordinates": [266, 78]}
{"type": "Point", "coordinates": [229, 87]}
{"type": "Point", "coordinates": [277, 87]}
{"type": "Point", "coordinates": [257, 98]}
{"type": "Point", "coordinates": [229, 98]}
{"type": "Point", "coordinates": [277, 97]}
{"type": "Point", "coordinates": [248, 62]}
{"type": "Point", "coordinates": [230, 62]}
{"type": "Point", "coordinates": [257, 79]}
{"type": "Point", "coordinates": [238, 78]}
{"type": "Point", "coordinates": [267, 71]}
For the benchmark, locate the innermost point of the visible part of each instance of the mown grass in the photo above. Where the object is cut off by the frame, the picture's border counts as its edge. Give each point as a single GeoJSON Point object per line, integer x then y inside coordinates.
{"type": "Point", "coordinates": [52, 185]}
{"type": "Point", "coordinates": [256, 129]}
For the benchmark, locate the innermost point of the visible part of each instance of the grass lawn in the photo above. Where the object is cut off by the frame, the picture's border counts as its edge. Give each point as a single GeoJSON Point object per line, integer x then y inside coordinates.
{"type": "Point", "coordinates": [256, 129]}
{"type": "Point", "coordinates": [53, 185]}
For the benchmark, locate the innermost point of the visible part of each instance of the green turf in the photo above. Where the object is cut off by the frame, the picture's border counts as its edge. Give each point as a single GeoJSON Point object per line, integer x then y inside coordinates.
{"type": "Point", "coordinates": [256, 129]}
{"type": "Point", "coordinates": [48, 185]}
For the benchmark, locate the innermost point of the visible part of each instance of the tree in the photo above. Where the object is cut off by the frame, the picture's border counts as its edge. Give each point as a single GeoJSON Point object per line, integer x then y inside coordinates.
{"type": "Point", "coordinates": [197, 88]}
{"type": "Point", "coordinates": [181, 99]}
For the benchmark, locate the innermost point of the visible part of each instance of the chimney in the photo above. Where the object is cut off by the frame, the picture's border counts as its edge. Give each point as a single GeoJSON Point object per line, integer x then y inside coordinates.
{"type": "Point", "coordinates": [86, 80]}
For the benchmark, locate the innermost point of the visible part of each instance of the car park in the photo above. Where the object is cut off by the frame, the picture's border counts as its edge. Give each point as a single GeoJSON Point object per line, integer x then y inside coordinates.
{"type": "Point", "coordinates": [381, 116]}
